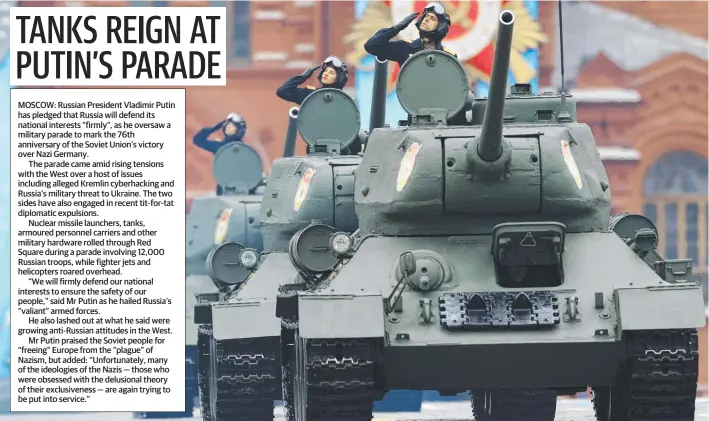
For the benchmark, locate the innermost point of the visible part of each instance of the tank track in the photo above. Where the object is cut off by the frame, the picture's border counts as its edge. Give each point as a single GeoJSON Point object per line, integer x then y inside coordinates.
{"type": "Point", "coordinates": [204, 335]}
{"type": "Point", "coordinates": [288, 328]}
{"type": "Point", "coordinates": [514, 404]}
{"type": "Point", "coordinates": [335, 379]}
{"type": "Point", "coordinates": [658, 381]}
{"type": "Point", "coordinates": [246, 380]}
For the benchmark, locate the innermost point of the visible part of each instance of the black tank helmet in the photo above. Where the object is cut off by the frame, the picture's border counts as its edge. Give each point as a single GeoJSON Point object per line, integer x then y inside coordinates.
{"type": "Point", "coordinates": [234, 127]}
{"type": "Point", "coordinates": [444, 22]}
{"type": "Point", "coordinates": [340, 68]}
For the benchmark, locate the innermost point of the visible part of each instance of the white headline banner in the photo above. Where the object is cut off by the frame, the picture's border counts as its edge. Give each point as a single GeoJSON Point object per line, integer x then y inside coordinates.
{"type": "Point", "coordinates": [118, 46]}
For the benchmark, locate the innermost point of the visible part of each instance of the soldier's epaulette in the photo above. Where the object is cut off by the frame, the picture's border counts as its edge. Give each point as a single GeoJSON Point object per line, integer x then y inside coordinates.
{"type": "Point", "coordinates": [312, 88]}
{"type": "Point", "coordinates": [449, 51]}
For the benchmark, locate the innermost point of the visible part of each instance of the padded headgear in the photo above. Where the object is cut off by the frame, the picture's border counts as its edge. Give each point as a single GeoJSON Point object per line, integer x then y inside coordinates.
{"type": "Point", "coordinates": [340, 68]}
{"type": "Point", "coordinates": [444, 21]}
{"type": "Point", "coordinates": [237, 121]}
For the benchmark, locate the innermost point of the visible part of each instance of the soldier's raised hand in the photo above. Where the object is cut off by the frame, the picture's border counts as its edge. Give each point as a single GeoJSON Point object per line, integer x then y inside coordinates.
{"type": "Point", "coordinates": [406, 21]}
{"type": "Point", "coordinates": [309, 72]}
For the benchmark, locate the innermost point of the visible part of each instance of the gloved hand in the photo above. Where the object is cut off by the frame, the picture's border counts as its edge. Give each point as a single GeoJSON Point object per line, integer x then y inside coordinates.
{"type": "Point", "coordinates": [309, 72]}
{"type": "Point", "coordinates": [406, 21]}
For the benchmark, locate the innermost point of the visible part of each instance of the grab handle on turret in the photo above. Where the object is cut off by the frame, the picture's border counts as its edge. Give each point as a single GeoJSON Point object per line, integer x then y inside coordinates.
{"type": "Point", "coordinates": [291, 133]}
{"type": "Point", "coordinates": [490, 144]}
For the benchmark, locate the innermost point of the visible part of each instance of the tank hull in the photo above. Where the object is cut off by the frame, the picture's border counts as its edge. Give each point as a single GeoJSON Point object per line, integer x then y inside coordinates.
{"type": "Point", "coordinates": [614, 295]}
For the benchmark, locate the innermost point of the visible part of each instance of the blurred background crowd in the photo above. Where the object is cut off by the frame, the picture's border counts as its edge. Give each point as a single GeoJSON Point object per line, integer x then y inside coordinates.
{"type": "Point", "coordinates": [638, 71]}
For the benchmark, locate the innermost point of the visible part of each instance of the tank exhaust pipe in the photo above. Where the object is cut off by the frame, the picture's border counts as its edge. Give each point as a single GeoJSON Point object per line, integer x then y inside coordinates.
{"type": "Point", "coordinates": [379, 92]}
{"type": "Point", "coordinates": [490, 143]}
{"type": "Point", "coordinates": [291, 133]}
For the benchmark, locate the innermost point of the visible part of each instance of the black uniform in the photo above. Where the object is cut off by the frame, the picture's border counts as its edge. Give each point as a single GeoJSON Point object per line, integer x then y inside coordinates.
{"type": "Point", "coordinates": [201, 140]}
{"type": "Point", "coordinates": [381, 46]}
{"type": "Point", "coordinates": [290, 91]}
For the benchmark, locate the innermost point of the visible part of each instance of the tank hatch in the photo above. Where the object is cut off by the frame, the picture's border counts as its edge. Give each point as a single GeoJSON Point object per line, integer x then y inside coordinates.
{"type": "Point", "coordinates": [328, 121]}
{"type": "Point", "coordinates": [432, 87]}
{"type": "Point", "coordinates": [237, 168]}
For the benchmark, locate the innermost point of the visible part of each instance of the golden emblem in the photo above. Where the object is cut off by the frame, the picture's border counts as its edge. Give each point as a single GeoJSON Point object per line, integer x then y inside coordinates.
{"type": "Point", "coordinates": [303, 187]}
{"type": "Point", "coordinates": [475, 28]}
{"type": "Point", "coordinates": [222, 226]}
{"type": "Point", "coordinates": [571, 163]}
{"type": "Point", "coordinates": [407, 166]}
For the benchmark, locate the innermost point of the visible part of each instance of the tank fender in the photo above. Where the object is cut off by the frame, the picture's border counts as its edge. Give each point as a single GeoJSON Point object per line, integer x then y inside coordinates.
{"type": "Point", "coordinates": [245, 319]}
{"type": "Point", "coordinates": [654, 307]}
{"type": "Point", "coordinates": [348, 316]}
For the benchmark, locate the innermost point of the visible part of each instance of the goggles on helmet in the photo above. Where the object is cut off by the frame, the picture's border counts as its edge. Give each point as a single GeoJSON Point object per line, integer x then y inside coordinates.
{"type": "Point", "coordinates": [234, 118]}
{"type": "Point", "coordinates": [335, 61]}
{"type": "Point", "coordinates": [437, 8]}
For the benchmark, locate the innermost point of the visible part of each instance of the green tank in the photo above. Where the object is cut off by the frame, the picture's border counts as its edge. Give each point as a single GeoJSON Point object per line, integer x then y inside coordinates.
{"type": "Point", "coordinates": [486, 261]}
{"type": "Point", "coordinates": [212, 220]}
{"type": "Point", "coordinates": [227, 218]}
{"type": "Point", "coordinates": [219, 225]}
{"type": "Point", "coordinates": [245, 377]}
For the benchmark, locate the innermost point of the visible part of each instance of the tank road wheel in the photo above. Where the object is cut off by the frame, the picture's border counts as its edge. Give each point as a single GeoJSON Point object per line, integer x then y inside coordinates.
{"type": "Point", "coordinates": [204, 336]}
{"type": "Point", "coordinates": [335, 379]}
{"type": "Point", "coordinates": [658, 381]}
{"type": "Point", "coordinates": [245, 378]}
{"type": "Point", "coordinates": [513, 404]}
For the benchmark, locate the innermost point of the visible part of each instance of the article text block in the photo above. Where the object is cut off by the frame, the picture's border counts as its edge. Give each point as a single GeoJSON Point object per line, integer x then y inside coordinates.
{"type": "Point", "coordinates": [97, 235]}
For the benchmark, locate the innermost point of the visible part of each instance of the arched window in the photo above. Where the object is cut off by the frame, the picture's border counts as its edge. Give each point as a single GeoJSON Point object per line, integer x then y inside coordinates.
{"type": "Point", "coordinates": [676, 200]}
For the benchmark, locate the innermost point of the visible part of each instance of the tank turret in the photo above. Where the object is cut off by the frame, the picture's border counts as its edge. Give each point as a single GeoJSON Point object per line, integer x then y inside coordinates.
{"type": "Point", "coordinates": [318, 186]}
{"type": "Point", "coordinates": [435, 178]}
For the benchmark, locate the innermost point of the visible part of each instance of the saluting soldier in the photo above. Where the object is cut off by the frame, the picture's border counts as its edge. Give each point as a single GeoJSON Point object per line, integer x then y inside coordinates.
{"type": "Point", "coordinates": [433, 25]}
{"type": "Point", "coordinates": [233, 128]}
{"type": "Point", "coordinates": [333, 74]}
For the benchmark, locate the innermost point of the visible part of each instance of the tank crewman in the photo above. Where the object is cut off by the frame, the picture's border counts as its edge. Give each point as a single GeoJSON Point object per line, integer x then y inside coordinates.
{"type": "Point", "coordinates": [233, 128]}
{"type": "Point", "coordinates": [333, 74]}
{"type": "Point", "coordinates": [433, 25]}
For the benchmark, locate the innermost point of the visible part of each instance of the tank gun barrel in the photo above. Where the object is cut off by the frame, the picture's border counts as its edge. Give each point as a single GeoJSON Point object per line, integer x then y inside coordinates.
{"type": "Point", "coordinates": [379, 88]}
{"type": "Point", "coordinates": [291, 133]}
{"type": "Point", "coordinates": [490, 146]}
